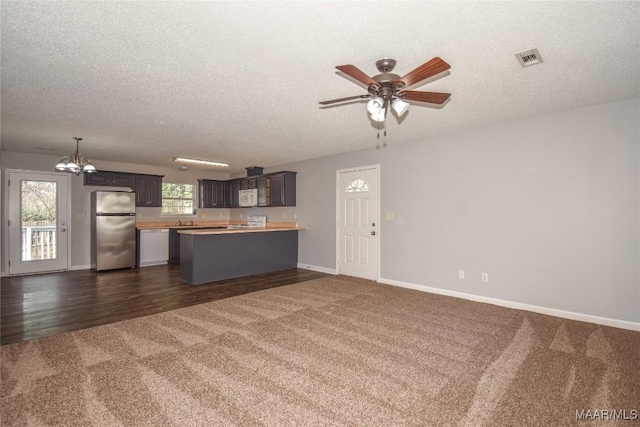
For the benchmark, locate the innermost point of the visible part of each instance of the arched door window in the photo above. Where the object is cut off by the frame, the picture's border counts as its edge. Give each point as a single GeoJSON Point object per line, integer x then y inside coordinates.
{"type": "Point", "coordinates": [358, 185]}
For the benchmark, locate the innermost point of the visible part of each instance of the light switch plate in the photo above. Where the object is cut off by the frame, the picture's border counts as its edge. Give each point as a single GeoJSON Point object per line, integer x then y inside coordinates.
{"type": "Point", "coordinates": [390, 216]}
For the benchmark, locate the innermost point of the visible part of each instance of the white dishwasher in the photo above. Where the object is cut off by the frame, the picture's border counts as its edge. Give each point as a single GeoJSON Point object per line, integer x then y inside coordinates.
{"type": "Point", "coordinates": [154, 247]}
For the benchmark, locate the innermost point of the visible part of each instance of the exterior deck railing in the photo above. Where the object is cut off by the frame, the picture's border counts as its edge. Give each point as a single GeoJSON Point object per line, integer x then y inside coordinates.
{"type": "Point", "coordinates": [39, 240]}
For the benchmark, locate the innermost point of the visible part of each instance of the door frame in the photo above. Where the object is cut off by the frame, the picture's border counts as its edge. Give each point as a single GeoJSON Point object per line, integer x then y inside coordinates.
{"type": "Point", "coordinates": [6, 214]}
{"type": "Point", "coordinates": [377, 218]}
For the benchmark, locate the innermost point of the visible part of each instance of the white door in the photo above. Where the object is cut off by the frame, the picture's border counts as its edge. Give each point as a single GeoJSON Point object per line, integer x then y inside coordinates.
{"type": "Point", "coordinates": [38, 222]}
{"type": "Point", "coordinates": [358, 222]}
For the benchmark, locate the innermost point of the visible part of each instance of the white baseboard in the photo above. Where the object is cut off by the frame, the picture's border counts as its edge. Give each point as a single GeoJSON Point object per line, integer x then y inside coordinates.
{"type": "Point", "coordinates": [318, 269]}
{"type": "Point", "coordinates": [72, 268]}
{"type": "Point", "coordinates": [616, 323]}
{"type": "Point", "coordinates": [152, 263]}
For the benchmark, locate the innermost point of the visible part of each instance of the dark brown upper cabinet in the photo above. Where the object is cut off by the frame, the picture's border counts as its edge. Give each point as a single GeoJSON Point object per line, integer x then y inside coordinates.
{"type": "Point", "coordinates": [111, 179]}
{"type": "Point", "coordinates": [148, 191]}
{"type": "Point", "coordinates": [211, 193]}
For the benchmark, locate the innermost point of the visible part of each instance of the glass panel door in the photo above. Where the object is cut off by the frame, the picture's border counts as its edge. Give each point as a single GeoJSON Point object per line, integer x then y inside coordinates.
{"type": "Point", "coordinates": [38, 223]}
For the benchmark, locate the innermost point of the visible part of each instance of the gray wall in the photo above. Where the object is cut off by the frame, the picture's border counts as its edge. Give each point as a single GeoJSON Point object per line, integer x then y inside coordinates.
{"type": "Point", "coordinates": [547, 206]}
{"type": "Point", "coordinates": [80, 197]}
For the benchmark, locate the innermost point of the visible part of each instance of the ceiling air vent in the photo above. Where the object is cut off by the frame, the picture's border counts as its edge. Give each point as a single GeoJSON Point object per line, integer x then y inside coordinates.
{"type": "Point", "coordinates": [529, 57]}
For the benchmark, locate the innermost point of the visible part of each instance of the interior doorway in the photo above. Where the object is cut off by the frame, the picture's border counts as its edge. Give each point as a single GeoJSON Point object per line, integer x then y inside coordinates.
{"type": "Point", "coordinates": [358, 222]}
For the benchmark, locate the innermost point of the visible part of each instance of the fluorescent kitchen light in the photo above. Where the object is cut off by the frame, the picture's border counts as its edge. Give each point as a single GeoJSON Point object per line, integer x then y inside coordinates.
{"type": "Point", "coordinates": [200, 162]}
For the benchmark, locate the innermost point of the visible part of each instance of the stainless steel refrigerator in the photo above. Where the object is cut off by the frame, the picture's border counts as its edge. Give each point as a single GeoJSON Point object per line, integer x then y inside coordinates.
{"type": "Point", "coordinates": [113, 230]}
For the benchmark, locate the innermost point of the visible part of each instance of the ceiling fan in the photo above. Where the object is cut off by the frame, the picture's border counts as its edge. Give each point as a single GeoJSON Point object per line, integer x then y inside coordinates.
{"type": "Point", "coordinates": [388, 88]}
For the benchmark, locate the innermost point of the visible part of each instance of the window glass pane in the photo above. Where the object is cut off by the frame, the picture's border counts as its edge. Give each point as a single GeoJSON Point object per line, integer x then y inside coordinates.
{"type": "Point", "coordinates": [39, 216]}
{"type": "Point", "coordinates": [357, 185]}
{"type": "Point", "coordinates": [177, 199]}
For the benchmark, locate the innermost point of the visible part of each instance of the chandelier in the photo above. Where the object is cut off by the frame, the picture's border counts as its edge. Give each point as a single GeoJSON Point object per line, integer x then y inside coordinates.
{"type": "Point", "coordinates": [75, 163]}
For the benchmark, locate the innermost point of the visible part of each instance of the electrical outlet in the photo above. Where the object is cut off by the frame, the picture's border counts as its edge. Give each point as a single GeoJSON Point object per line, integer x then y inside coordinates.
{"type": "Point", "coordinates": [295, 216]}
{"type": "Point", "coordinates": [485, 278]}
{"type": "Point", "coordinates": [203, 215]}
{"type": "Point", "coordinates": [284, 215]}
{"type": "Point", "coordinates": [460, 274]}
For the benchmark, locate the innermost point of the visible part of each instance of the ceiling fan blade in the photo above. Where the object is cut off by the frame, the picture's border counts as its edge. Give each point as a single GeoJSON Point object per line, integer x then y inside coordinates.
{"type": "Point", "coordinates": [426, 70]}
{"type": "Point", "coordinates": [430, 97]}
{"type": "Point", "coordinates": [348, 98]}
{"type": "Point", "coordinates": [356, 73]}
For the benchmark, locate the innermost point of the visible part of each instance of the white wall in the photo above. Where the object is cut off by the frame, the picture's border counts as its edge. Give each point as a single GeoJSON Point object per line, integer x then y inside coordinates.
{"type": "Point", "coordinates": [81, 203]}
{"type": "Point", "coordinates": [547, 206]}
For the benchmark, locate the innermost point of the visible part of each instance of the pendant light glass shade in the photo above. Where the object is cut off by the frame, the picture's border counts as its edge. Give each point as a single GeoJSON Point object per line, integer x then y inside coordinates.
{"type": "Point", "coordinates": [62, 164]}
{"type": "Point", "coordinates": [400, 106]}
{"type": "Point", "coordinates": [375, 105]}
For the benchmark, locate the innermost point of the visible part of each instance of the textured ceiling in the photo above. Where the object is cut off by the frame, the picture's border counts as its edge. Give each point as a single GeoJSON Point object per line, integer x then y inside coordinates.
{"type": "Point", "coordinates": [143, 82]}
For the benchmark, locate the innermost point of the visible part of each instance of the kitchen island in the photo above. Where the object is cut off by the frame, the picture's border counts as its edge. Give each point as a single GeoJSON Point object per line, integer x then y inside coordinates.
{"type": "Point", "coordinates": [212, 255]}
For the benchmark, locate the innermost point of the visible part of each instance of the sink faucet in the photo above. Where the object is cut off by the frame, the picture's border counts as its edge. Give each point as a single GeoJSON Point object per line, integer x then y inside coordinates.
{"type": "Point", "coordinates": [191, 222]}
{"type": "Point", "coordinates": [179, 223]}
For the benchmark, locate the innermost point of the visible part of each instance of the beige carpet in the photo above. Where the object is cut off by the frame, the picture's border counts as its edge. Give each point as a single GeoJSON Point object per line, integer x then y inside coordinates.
{"type": "Point", "coordinates": [333, 351]}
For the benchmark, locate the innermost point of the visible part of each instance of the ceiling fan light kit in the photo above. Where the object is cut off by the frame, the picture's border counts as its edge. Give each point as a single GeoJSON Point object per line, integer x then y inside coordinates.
{"type": "Point", "coordinates": [388, 89]}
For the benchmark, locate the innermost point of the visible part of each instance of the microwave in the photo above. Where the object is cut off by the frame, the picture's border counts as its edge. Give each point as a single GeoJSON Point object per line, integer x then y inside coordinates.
{"type": "Point", "coordinates": [248, 198]}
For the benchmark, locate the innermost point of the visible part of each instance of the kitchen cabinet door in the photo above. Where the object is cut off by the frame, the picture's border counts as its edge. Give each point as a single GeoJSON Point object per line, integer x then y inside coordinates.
{"type": "Point", "coordinates": [174, 246]}
{"type": "Point", "coordinates": [218, 194]}
{"type": "Point", "coordinates": [232, 188]}
{"type": "Point", "coordinates": [205, 193]}
{"type": "Point", "coordinates": [263, 190]}
{"type": "Point", "coordinates": [283, 189]}
{"type": "Point", "coordinates": [98, 178]}
{"type": "Point", "coordinates": [154, 195]}
{"type": "Point", "coordinates": [248, 183]}
{"type": "Point", "coordinates": [121, 179]}
{"type": "Point", "coordinates": [211, 194]}
{"type": "Point", "coordinates": [148, 191]}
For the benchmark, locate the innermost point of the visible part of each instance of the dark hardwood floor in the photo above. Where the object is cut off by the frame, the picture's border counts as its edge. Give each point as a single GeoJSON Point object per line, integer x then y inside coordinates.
{"type": "Point", "coordinates": [49, 304]}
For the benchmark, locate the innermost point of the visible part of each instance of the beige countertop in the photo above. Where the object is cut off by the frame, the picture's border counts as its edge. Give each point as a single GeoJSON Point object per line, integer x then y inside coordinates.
{"type": "Point", "coordinates": [205, 224]}
{"type": "Point", "coordinates": [172, 224]}
{"type": "Point", "coordinates": [241, 230]}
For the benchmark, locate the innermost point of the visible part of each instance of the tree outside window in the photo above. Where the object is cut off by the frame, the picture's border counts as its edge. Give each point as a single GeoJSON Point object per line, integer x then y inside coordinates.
{"type": "Point", "coordinates": [177, 199]}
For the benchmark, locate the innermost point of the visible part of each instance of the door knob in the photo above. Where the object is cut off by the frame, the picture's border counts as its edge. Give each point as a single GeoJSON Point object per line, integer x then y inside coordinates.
{"type": "Point", "coordinates": [63, 230]}
{"type": "Point", "coordinates": [373, 233]}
